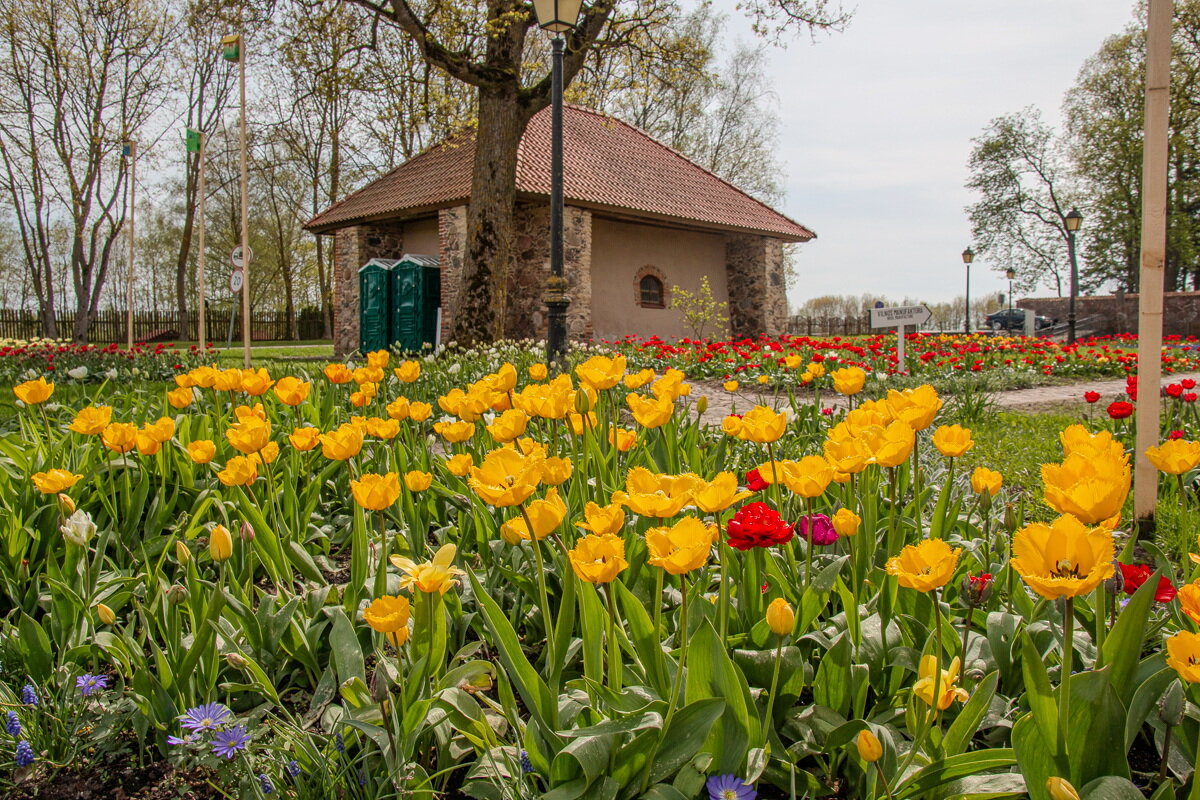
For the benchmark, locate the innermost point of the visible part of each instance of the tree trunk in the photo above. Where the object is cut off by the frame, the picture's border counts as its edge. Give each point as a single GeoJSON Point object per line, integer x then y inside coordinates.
{"type": "Point", "coordinates": [482, 294]}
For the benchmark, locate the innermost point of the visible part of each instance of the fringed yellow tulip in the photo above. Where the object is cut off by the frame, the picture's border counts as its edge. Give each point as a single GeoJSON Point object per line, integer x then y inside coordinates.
{"type": "Point", "coordinates": [636, 380]}
{"type": "Point", "coordinates": [1063, 559]}
{"type": "Point", "coordinates": [952, 441]}
{"type": "Point", "coordinates": [1099, 445]}
{"type": "Point", "coordinates": [91, 421]}
{"type": "Point", "coordinates": [1175, 456]}
{"type": "Point", "coordinates": [603, 519]}
{"type": "Point", "coordinates": [1189, 601]}
{"type": "Point", "coordinates": [389, 615]}
{"type": "Point", "coordinates": [454, 432]}
{"type": "Point", "coordinates": [718, 494]}
{"type": "Point", "coordinates": [598, 558]}
{"type": "Point", "coordinates": [1091, 489]}
{"type": "Point", "coordinates": [417, 481]}
{"type": "Point", "coordinates": [683, 547]}
{"type": "Point", "coordinates": [459, 465]}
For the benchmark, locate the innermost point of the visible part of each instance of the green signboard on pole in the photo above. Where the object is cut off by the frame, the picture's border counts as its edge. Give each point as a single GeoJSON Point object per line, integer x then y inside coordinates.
{"type": "Point", "coordinates": [193, 141]}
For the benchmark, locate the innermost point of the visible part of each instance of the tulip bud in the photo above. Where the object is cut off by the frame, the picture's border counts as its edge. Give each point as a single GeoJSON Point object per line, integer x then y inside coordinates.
{"type": "Point", "coordinates": [583, 401]}
{"type": "Point", "coordinates": [870, 749]}
{"type": "Point", "coordinates": [702, 404]}
{"type": "Point", "coordinates": [380, 685]}
{"type": "Point", "coordinates": [236, 660]}
{"type": "Point", "coordinates": [1170, 707]}
{"type": "Point", "coordinates": [182, 554]}
{"type": "Point", "coordinates": [105, 614]}
{"type": "Point", "coordinates": [1010, 518]}
{"type": "Point", "coordinates": [1061, 789]}
{"type": "Point", "coordinates": [66, 506]}
{"type": "Point", "coordinates": [780, 617]}
{"type": "Point", "coordinates": [78, 528]}
{"type": "Point", "coordinates": [246, 532]}
{"type": "Point", "coordinates": [220, 544]}
{"type": "Point", "coordinates": [177, 594]}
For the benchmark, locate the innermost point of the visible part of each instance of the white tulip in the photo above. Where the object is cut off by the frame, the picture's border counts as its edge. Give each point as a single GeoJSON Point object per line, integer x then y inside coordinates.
{"type": "Point", "coordinates": [78, 528]}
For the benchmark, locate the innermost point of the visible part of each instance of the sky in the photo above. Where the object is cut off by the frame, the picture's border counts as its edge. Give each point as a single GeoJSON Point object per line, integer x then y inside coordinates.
{"type": "Point", "coordinates": [877, 122]}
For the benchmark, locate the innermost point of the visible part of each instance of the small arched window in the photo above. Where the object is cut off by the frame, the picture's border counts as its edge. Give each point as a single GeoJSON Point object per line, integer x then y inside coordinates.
{"type": "Point", "coordinates": [651, 289]}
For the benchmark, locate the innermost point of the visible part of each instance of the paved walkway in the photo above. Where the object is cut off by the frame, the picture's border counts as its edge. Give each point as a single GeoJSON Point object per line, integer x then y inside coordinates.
{"type": "Point", "coordinates": [1041, 398]}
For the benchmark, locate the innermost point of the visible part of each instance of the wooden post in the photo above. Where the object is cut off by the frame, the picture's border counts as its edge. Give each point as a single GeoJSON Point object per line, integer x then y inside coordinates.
{"type": "Point", "coordinates": [1154, 253]}
{"type": "Point", "coordinates": [200, 328]}
{"type": "Point", "coordinates": [245, 211]}
{"type": "Point", "coordinates": [132, 146]}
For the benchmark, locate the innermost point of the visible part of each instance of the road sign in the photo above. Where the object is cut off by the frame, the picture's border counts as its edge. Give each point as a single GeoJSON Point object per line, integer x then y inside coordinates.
{"type": "Point", "coordinates": [236, 257]}
{"type": "Point", "coordinates": [899, 315]}
{"type": "Point", "coordinates": [236, 279]}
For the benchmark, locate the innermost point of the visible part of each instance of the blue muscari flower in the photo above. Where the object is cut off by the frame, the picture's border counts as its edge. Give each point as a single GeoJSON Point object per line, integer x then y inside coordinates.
{"type": "Point", "coordinates": [29, 695]}
{"type": "Point", "coordinates": [526, 764]}
{"type": "Point", "coordinates": [228, 743]}
{"type": "Point", "coordinates": [209, 716]}
{"type": "Point", "coordinates": [339, 742]}
{"type": "Point", "coordinates": [88, 683]}
{"type": "Point", "coordinates": [13, 724]}
{"type": "Point", "coordinates": [264, 783]}
{"type": "Point", "coordinates": [293, 768]}
{"type": "Point", "coordinates": [362, 777]}
{"type": "Point", "coordinates": [729, 787]}
{"type": "Point", "coordinates": [24, 754]}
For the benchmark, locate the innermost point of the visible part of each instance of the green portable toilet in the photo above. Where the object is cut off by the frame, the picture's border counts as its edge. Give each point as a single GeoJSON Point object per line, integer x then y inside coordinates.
{"type": "Point", "coordinates": [416, 296]}
{"type": "Point", "coordinates": [374, 302]}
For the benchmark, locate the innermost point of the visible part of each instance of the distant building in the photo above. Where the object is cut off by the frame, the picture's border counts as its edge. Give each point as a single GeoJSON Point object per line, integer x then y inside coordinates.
{"type": "Point", "coordinates": [639, 219]}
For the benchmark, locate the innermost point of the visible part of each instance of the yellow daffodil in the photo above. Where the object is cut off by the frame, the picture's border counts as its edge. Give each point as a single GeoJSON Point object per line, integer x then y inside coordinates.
{"type": "Point", "coordinates": [1183, 655]}
{"type": "Point", "coordinates": [55, 480]}
{"type": "Point", "coordinates": [986, 481]}
{"type": "Point", "coordinates": [603, 519]}
{"type": "Point", "coordinates": [946, 689]}
{"type": "Point", "coordinates": [952, 441]}
{"type": "Point", "coordinates": [436, 575]}
{"type": "Point", "coordinates": [33, 392]}
{"type": "Point", "coordinates": [681, 548]}
{"type": "Point", "coordinates": [376, 492]}
{"type": "Point", "coordinates": [120, 437]}
{"type": "Point", "coordinates": [846, 522]}
{"type": "Point", "coordinates": [601, 372]}
{"type": "Point", "coordinates": [781, 617]}
{"type": "Point", "coordinates": [202, 451]}
{"type": "Point", "coordinates": [656, 495]}
{"type": "Point", "coordinates": [506, 477]}
{"type": "Point", "coordinates": [925, 566]}
{"type": "Point", "coordinates": [848, 380]}
{"type": "Point", "coordinates": [292, 391]}
{"type": "Point", "coordinates": [1175, 456]}
{"type": "Point", "coordinates": [239, 471]}
{"type": "Point", "coordinates": [389, 615]}
{"type": "Point", "coordinates": [91, 421]}
{"type": "Point", "coordinates": [598, 558]}
{"type": "Point", "coordinates": [1091, 489]}
{"type": "Point", "coordinates": [1063, 559]}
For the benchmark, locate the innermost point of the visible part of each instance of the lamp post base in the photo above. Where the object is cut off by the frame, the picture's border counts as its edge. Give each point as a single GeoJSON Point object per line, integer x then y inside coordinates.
{"type": "Point", "coordinates": [557, 302]}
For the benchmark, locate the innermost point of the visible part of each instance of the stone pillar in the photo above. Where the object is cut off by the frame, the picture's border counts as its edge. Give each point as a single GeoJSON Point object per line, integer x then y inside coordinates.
{"type": "Point", "coordinates": [452, 247]}
{"type": "Point", "coordinates": [757, 288]}
{"type": "Point", "coordinates": [527, 314]}
{"type": "Point", "coordinates": [354, 246]}
{"type": "Point", "coordinates": [577, 267]}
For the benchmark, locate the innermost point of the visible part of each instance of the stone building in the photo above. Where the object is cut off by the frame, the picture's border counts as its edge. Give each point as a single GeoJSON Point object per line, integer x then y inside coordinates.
{"type": "Point", "coordinates": [639, 220]}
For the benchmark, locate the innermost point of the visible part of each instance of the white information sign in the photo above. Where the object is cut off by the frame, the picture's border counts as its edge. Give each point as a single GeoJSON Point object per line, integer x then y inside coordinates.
{"type": "Point", "coordinates": [236, 257]}
{"type": "Point", "coordinates": [897, 317]}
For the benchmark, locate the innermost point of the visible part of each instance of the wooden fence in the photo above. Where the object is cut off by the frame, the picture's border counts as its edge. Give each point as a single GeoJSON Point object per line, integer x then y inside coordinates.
{"type": "Point", "coordinates": [829, 326]}
{"type": "Point", "coordinates": [110, 326]}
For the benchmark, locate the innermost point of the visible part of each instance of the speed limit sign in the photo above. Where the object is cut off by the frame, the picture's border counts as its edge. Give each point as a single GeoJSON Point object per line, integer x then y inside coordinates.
{"type": "Point", "coordinates": [237, 259]}
{"type": "Point", "coordinates": [236, 279]}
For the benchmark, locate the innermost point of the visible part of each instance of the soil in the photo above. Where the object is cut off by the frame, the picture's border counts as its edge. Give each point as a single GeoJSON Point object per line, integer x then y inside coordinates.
{"type": "Point", "coordinates": [156, 781]}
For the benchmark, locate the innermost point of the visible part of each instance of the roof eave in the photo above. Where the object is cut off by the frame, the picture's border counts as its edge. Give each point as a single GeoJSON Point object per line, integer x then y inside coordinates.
{"type": "Point", "coordinates": [318, 228]}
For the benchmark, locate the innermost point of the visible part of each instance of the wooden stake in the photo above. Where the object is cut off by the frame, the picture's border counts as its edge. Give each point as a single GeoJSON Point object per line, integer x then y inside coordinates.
{"type": "Point", "coordinates": [245, 212]}
{"type": "Point", "coordinates": [132, 210]}
{"type": "Point", "coordinates": [200, 327]}
{"type": "Point", "coordinates": [1154, 253]}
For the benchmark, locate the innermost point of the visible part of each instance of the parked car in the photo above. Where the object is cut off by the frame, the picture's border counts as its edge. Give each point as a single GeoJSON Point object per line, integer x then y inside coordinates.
{"type": "Point", "coordinates": [1014, 320]}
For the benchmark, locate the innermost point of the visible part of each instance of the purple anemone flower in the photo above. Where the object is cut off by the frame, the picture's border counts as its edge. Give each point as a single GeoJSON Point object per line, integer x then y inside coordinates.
{"type": "Point", "coordinates": [209, 716]}
{"type": "Point", "coordinates": [823, 532]}
{"type": "Point", "coordinates": [228, 743]}
{"type": "Point", "coordinates": [88, 684]}
{"type": "Point", "coordinates": [187, 738]}
{"type": "Point", "coordinates": [729, 787]}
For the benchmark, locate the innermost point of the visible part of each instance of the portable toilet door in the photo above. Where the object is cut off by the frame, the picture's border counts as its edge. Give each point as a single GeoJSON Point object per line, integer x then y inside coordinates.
{"type": "Point", "coordinates": [416, 295]}
{"type": "Point", "coordinates": [373, 303]}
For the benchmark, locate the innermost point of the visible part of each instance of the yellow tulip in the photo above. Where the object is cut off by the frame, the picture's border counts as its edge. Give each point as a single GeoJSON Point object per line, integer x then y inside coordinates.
{"type": "Point", "coordinates": [419, 412]}
{"type": "Point", "coordinates": [305, 438]}
{"type": "Point", "coordinates": [408, 371]}
{"type": "Point", "coordinates": [986, 481]}
{"type": "Point", "coordinates": [846, 522]}
{"type": "Point", "coordinates": [389, 615]}
{"type": "Point", "coordinates": [1189, 601]}
{"type": "Point", "coordinates": [848, 380]}
{"type": "Point", "coordinates": [506, 477]}
{"type": "Point", "coordinates": [417, 481]}
{"type": "Point", "coordinates": [1091, 489]}
{"type": "Point", "coordinates": [761, 425]}
{"type": "Point", "coordinates": [342, 444]}
{"type": "Point", "coordinates": [1183, 655]}
{"type": "Point", "coordinates": [256, 382]}
{"type": "Point", "coordinates": [655, 495]}
{"type": "Point", "coordinates": [202, 451]}
{"type": "Point", "coordinates": [1061, 789]}
{"type": "Point", "coordinates": [338, 373]}
{"type": "Point", "coordinates": [1099, 445]}
{"type": "Point", "coordinates": [249, 435]}
{"type": "Point", "coordinates": [147, 445]}
{"type": "Point", "coordinates": [55, 480]}
{"type": "Point", "coordinates": [555, 470]}
{"type": "Point", "coordinates": [730, 386]}
{"type": "Point", "coordinates": [718, 494]}
{"type": "Point", "coordinates": [538, 372]}
{"type": "Point", "coordinates": [636, 380]}
{"type": "Point", "coordinates": [398, 409]}
{"type": "Point", "coordinates": [33, 392]}
{"type": "Point", "coordinates": [376, 492]}
{"type": "Point", "coordinates": [622, 439]}
{"type": "Point", "coordinates": [227, 380]}
{"type": "Point", "coordinates": [681, 548]}
{"type": "Point", "coordinates": [120, 437]}
{"type": "Point", "coordinates": [598, 558]}
{"type": "Point", "coordinates": [601, 372]}
{"type": "Point", "coordinates": [265, 456]}
{"type": "Point", "coordinates": [454, 432]}
{"type": "Point", "coordinates": [220, 544]}
{"type": "Point", "coordinates": [508, 426]}
{"type": "Point", "coordinates": [925, 566]}
{"type": "Point", "coordinates": [105, 614]}
{"type": "Point", "coordinates": [1063, 559]}
{"type": "Point", "coordinates": [460, 464]}
{"type": "Point", "coordinates": [91, 421]}
{"type": "Point", "coordinates": [808, 477]}
{"type": "Point", "coordinates": [870, 749]}
{"type": "Point", "coordinates": [436, 575]}
{"type": "Point", "coordinates": [781, 617]}
{"type": "Point", "coordinates": [180, 398]}
{"type": "Point", "coordinates": [650, 412]}
{"type": "Point", "coordinates": [239, 471]}
{"type": "Point", "coordinates": [1175, 456]}
{"type": "Point", "coordinates": [544, 514]}
{"type": "Point", "coordinates": [952, 441]}
{"type": "Point", "coordinates": [670, 386]}
{"type": "Point", "coordinates": [947, 691]}
{"type": "Point", "coordinates": [383, 428]}
{"type": "Point", "coordinates": [547, 400]}
{"type": "Point", "coordinates": [378, 359]}
{"type": "Point", "coordinates": [846, 452]}
{"type": "Point", "coordinates": [917, 407]}
{"type": "Point", "coordinates": [162, 430]}
{"type": "Point", "coordinates": [892, 445]}
{"type": "Point", "coordinates": [292, 391]}
{"type": "Point", "coordinates": [367, 375]}
{"type": "Point", "coordinates": [603, 519]}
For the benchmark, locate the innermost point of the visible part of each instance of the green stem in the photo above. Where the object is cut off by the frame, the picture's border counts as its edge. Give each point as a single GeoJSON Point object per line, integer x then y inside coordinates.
{"type": "Point", "coordinates": [883, 779]}
{"type": "Point", "coordinates": [1064, 684]}
{"type": "Point", "coordinates": [614, 649]}
{"type": "Point", "coordinates": [658, 601]}
{"type": "Point", "coordinates": [543, 597]}
{"type": "Point", "coordinates": [723, 604]}
{"type": "Point", "coordinates": [681, 634]}
{"type": "Point", "coordinates": [766, 723]}
{"type": "Point", "coordinates": [808, 543]}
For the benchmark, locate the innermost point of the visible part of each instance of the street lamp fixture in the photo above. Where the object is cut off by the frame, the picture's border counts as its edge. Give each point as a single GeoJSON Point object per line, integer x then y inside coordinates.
{"type": "Point", "coordinates": [557, 16]}
{"type": "Point", "coordinates": [1011, 274]}
{"type": "Point", "coordinates": [1072, 221]}
{"type": "Point", "coordinates": [968, 256]}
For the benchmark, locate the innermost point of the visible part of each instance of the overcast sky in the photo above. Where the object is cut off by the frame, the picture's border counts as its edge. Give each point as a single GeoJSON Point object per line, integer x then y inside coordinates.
{"type": "Point", "coordinates": [877, 125]}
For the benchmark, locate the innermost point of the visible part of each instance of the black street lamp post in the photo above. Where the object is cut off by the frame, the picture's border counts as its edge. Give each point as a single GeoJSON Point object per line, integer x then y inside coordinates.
{"type": "Point", "coordinates": [968, 256]}
{"type": "Point", "coordinates": [557, 16]}
{"type": "Point", "coordinates": [1073, 220]}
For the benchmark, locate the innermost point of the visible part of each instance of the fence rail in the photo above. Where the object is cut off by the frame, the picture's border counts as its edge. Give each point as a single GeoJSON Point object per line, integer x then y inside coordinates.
{"type": "Point", "coordinates": [829, 326]}
{"type": "Point", "coordinates": [110, 326]}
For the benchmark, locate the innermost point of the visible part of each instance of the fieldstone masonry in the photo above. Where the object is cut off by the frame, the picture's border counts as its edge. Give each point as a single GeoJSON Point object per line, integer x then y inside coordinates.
{"type": "Point", "coordinates": [353, 247]}
{"type": "Point", "coordinates": [757, 290]}
{"type": "Point", "coordinates": [452, 248]}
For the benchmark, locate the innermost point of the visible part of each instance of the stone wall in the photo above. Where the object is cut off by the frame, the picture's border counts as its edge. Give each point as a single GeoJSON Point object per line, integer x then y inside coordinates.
{"type": "Point", "coordinates": [526, 315]}
{"type": "Point", "coordinates": [452, 248]}
{"type": "Point", "coordinates": [757, 290]}
{"type": "Point", "coordinates": [1109, 314]}
{"type": "Point", "coordinates": [353, 247]}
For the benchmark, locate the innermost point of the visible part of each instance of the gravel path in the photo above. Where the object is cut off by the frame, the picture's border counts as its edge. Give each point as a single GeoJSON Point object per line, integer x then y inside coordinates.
{"type": "Point", "coordinates": [1043, 398]}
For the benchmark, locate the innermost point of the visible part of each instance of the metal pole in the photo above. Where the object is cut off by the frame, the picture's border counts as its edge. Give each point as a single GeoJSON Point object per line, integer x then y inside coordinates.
{"type": "Point", "coordinates": [132, 214]}
{"type": "Point", "coordinates": [967, 304]}
{"type": "Point", "coordinates": [1010, 316]}
{"type": "Point", "coordinates": [1074, 287]}
{"type": "Point", "coordinates": [1154, 253]}
{"type": "Point", "coordinates": [200, 190]}
{"type": "Point", "coordinates": [245, 211]}
{"type": "Point", "coordinates": [556, 286]}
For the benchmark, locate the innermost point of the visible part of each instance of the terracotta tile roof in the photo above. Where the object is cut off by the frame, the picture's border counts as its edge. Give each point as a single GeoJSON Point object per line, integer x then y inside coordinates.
{"type": "Point", "coordinates": [608, 165]}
